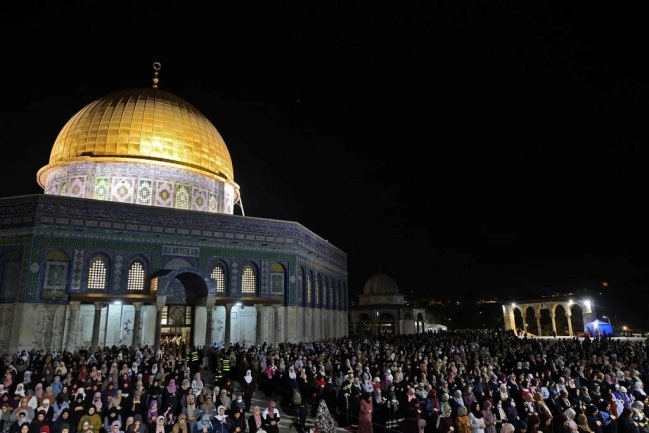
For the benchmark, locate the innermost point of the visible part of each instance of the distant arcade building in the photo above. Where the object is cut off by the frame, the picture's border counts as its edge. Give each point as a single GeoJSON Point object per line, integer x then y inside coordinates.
{"type": "Point", "coordinates": [560, 316]}
{"type": "Point", "coordinates": [382, 310]}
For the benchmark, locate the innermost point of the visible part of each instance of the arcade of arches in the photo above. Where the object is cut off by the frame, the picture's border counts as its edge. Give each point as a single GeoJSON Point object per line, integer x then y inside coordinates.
{"type": "Point", "coordinates": [558, 317]}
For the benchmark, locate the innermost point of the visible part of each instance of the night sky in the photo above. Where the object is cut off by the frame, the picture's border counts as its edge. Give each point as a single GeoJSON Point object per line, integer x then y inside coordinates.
{"type": "Point", "coordinates": [466, 149]}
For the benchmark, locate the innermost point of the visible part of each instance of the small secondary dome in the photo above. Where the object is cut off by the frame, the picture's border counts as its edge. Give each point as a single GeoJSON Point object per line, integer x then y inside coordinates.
{"type": "Point", "coordinates": [381, 284]}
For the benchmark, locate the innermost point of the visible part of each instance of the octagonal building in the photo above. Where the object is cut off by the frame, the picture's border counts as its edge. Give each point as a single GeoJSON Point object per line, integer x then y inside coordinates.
{"type": "Point", "coordinates": [135, 241]}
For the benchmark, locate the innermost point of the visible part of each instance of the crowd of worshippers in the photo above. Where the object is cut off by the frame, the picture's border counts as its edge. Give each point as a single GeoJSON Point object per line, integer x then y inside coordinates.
{"type": "Point", "coordinates": [460, 381]}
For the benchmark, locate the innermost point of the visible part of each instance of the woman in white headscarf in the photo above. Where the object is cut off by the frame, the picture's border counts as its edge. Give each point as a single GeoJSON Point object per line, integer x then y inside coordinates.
{"type": "Point", "coordinates": [248, 387]}
{"type": "Point", "coordinates": [221, 422]}
{"type": "Point", "coordinates": [19, 392]}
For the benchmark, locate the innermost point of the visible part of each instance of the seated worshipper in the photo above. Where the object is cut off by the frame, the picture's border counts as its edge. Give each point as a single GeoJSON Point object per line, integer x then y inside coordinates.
{"type": "Point", "coordinates": [63, 418]}
{"type": "Point", "coordinates": [238, 404]}
{"type": "Point", "coordinates": [112, 415]}
{"type": "Point", "coordinates": [221, 422]}
{"type": "Point", "coordinates": [238, 423]}
{"type": "Point", "coordinates": [208, 407]}
{"type": "Point", "coordinates": [462, 421]}
{"type": "Point", "coordinates": [152, 415]}
{"type": "Point", "coordinates": [445, 423]}
{"type": "Point", "coordinates": [255, 422]}
{"type": "Point", "coordinates": [477, 419]}
{"type": "Point", "coordinates": [271, 417]}
{"type": "Point", "coordinates": [161, 425]}
{"type": "Point", "coordinates": [128, 424]}
{"type": "Point", "coordinates": [20, 421]}
{"type": "Point", "coordinates": [86, 427]}
{"type": "Point", "coordinates": [93, 418]}
{"type": "Point", "coordinates": [38, 422]}
{"type": "Point", "coordinates": [24, 406]}
{"type": "Point", "coordinates": [225, 400]}
{"type": "Point", "coordinates": [181, 425]}
{"type": "Point", "coordinates": [47, 408]}
{"type": "Point", "coordinates": [204, 425]}
{"type": "Point", "coordinates": [192, 411]}
{"type": "Point", "coordinates": [138, 425]}
{"type": "Point", "coordinates": [115, 427]}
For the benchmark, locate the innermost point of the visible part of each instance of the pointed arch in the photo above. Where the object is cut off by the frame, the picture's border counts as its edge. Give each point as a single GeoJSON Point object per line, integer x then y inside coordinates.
{"type": "Point", "coordinates": [220, 276]}
{"type": "Point", "coordinates": [97, 273]}
{"type": "Point", "coordinates": [249, 279]}
{"type": "Point", "coordinates": [136, 276]}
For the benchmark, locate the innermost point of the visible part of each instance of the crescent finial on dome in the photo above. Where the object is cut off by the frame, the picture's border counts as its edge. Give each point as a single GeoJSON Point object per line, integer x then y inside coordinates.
{"type": "Point", "coordinates": [156, 67]}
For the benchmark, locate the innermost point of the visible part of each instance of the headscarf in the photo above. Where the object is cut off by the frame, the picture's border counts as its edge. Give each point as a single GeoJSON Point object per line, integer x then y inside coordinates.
{"type": "Point", "coordinates": [97, 401]}
{"type": "Point", "coordinates": [582, 421]}
{"type": "Point", "coordinates": [220, 416]}
{"type": "Point", "coordinates": [171, 386]}
{"type": "Point", "coordinates": [248, 377]}
{"type": "Point", "coordinates": [38, 391]}
{"type": "Point", "coordinates": [205, 417]}
{"type": "Point", "coordinates": [256, 414]}
{"type": "Point", "coordinates": [153, 411]}
{"type": "Point", "coordinates": [7, 413]}
{"type": "Point", "coordinates": [160, 428]}
{"type": "Point", "coordinates": [56, 385]}
{"type": "Point", "coordinates": [81, 392]}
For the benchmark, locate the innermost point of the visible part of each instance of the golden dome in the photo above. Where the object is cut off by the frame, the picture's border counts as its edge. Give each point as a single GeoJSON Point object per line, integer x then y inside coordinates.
{"type": "Point", "coordinates": [144, 125]}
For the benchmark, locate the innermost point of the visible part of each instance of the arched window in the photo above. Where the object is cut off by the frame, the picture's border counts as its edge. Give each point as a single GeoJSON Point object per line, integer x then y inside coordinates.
{"type": "Point", "coordinates": [309, 289]}
{"type": "Point", "coordinates": [248, 280]}
{"type": "Point", "coordinates": [317, 291]}
{"type": "Point", "coordinates": [219, 279]}
{"type": "Point", "coordinates": [136, 276]}
{"type": "Point", "coordinates": [98, 274]}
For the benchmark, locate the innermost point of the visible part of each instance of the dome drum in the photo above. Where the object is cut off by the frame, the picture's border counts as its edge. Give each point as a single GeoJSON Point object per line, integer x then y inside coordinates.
{"type": "Point", "coordinates": [144, 184]}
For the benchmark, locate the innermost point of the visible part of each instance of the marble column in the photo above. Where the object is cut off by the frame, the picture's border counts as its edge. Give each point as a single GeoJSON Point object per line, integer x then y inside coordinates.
{"type": "Point", "coordinates": [276, 324]}
{"type": "Point", "coordinates": [209, 333]}
{"type": "Point", "coordinates": [228, 319]}
{"type": "Point", "coordinates": [161, 301]}
{"type": "Point", "coordinates": [95, 325]}
{"type": "Point", "coordinates": [72, 335]}
{"type": "Point", "coordinates": [209, 323]}
{"type": "Point", "coordinates": [258, 336]}
{"type": "Point", "coordinates": [569, 320]}
{"type": "Point", "coordinates": [137, 320]}
{"type": "Point", "coordinates": [538, 323]}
